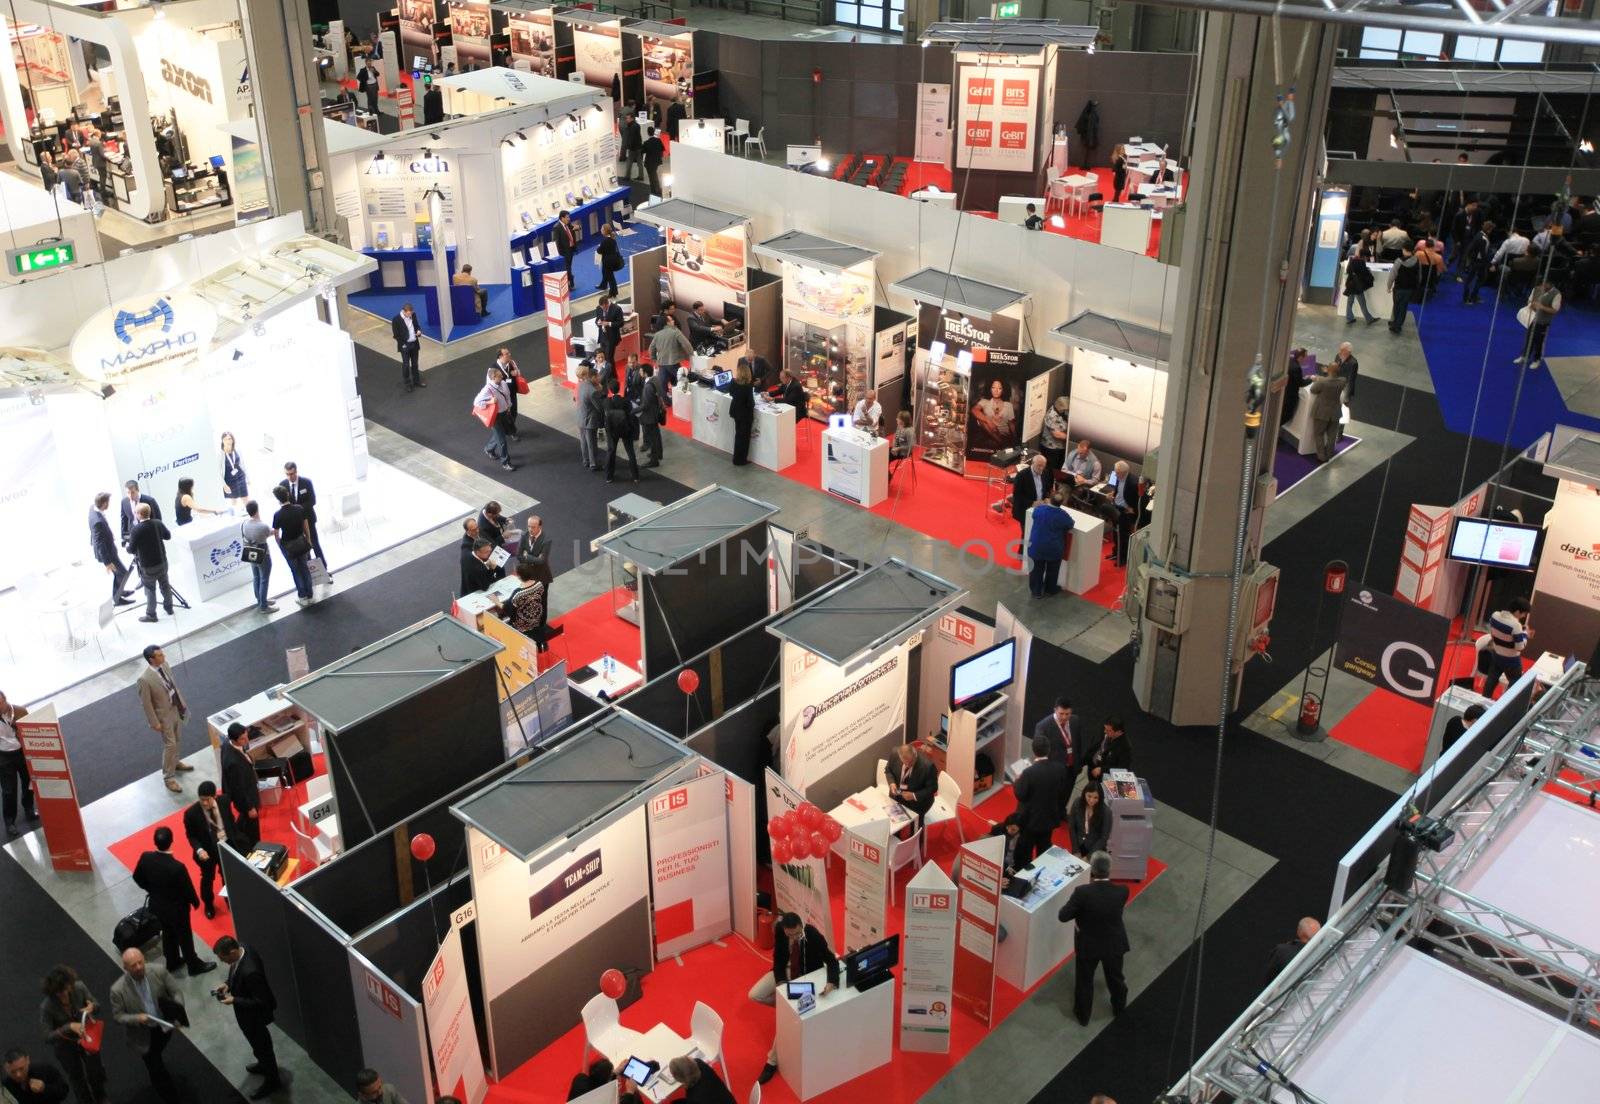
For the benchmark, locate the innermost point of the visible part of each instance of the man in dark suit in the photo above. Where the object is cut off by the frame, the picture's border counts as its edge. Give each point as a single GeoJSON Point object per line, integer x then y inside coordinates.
{"type": "Point", "coordinates": [535, 550]}
{"type": "Point", "coordinates": [652, 413]}
{"type": "Point", "coordinates": [792, 391]}
{"type": "Point", "coordinates": [130, 505]}
{"type": "Point", "coordinates": [632, 144]}
{"type": "Point", "coordinates": [477, 573]}
{"type": "Point", "coordinates": [248, 991]}
{"type": "Point", "coordinates": [703, 329]}
{"type": "Point", "coordinates": [24, 1081]}
{"type": "Point", "coordinates": [609, 321]}
{"type": "Point", "coordinates": [1029, 485]}
{"type": "Point", "coordinates": [105, 549]}
{"type": "Point", "coordinates": [798, 948]}
{"type": "Point", "coordinates": [432, 106]}
{"type": "Point", "coordinates": [566, 239]}
{"type": "Point", "coordinates": [208, 824]}
{"type": "Point", "coordinates": [1041, 791]}
{"type": "Point", "coordinates": [652, 152]}
{"type": "Point", "coordinates": [172, 895]}
{"type": "Point", "coordinates": [370, 83]}
{"type": "Point", "coordinates": [1065, 735]}
{"type": "Point", "coordinates": [147, 543]}
{"type": "Point", "coordinates": [408, 340]}
{"type": "Point", "coordinates": [913, 780]}
{"type": "Point", "coordinates": [1284, 953]}
{"type": "Point", "coordinates": [1100, 938]}
{"type": "Point", "coordinates": [239, 789]}
{"type": "Point", "coordinates": [304, 495]}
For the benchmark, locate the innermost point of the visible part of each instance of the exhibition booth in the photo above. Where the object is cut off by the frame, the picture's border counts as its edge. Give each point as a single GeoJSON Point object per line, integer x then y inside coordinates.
{"type": "Point", "coordinates": [162, 83]}
{"type": "Point", "coordinates": [482, 189]}
{"type": "Point", "coordinates": [194, 343]}
{"type": "Point", "coordinates": [836, 340]}
{"type": "Point", "coordinates": [706, 259]}
{"type": "Point", "coordinates": [37, 219]}
{"type": "Point", "coordinates": [979, 396]}
{"type": "Point", "coordinates": [531, 36]}
{"type": "Point", "coordinates": [666, 53]}
{"type": "Point", "coordinates": [601, 54]}
{"type": "Point", "coordinates": [1118, 387]}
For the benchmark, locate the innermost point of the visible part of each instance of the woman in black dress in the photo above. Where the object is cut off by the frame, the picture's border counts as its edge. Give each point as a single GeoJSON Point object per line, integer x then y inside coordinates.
{"type": "Point", "coordinates": [742, 409]}
{"type": "Point", "coordinates": [234, 483]}
{"type": "Point", "coordinates": [183, 507]}
{"type": "Point", "coordinates": [1119, 173]}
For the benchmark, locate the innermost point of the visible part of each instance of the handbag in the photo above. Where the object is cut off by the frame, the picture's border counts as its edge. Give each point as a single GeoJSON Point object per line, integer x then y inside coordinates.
{"type": "Point", "coordinates": [299, 546]}
{"type": "Point", "coordinates": [486, 413]}
{"type": "Point", "coordinates": [522, 384]}
{"type": "Point", "coordinates": [94, 1032]}
{"type": "Point", "coordinates": [253, 553]}
{"type": "Point", "coordinates": [138, 928]}
{"type": "Point", "coordinates": [1525, 316]}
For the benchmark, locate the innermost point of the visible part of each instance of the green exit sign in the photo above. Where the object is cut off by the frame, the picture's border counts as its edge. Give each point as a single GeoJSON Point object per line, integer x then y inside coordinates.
{"type": "Point", "coordinates": [40, 258]}
{"type": "Point", "coordinates": [1010, 10]}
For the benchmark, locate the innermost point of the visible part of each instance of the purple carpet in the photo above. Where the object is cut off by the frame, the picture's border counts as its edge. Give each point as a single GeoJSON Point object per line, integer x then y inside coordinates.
{"type": "Point", "coordinates": [1290, 467]}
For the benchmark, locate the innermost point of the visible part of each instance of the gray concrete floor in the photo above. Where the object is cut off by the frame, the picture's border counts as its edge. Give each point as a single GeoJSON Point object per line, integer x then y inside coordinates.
{"type": "Point", "coordinates": [1029, 1047]}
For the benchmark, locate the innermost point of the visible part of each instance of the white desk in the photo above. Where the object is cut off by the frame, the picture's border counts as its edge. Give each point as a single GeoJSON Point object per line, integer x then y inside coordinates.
{"type": "Point", "coordinates": [659, 1044]}
{"type": "Point", "coordinates": [712, 425]}
{"type": "Point", "coordinates": [469, 607]}
{"type": "Point", "coordinates": [855, 465]}
{"type": "Point", "coordinates": [1014, 209]}
{"type": "Point", "coordinates": [1080, 571]}
{"type": "Point", "coordinates": [1158, 195]}
{"type": "Point", "coordinates": [204, 556]}
{"type": "Point", "coordinates": [621, 679]}
{"type": "Point", "coordinates": [847, 1034]}
{"type": "Point", "coordinates": [1297, 430]}
{"type": "Point", "coordinates": [683, 399]}
{"type": "Point", "coordinates": [866, 806]}
{"type": "Point", "coordinates": [1380, 300]}
{"type": "Point", "coordinates": [1126, 226]}
{"type": "Point", "coordinates": [771, 431]}
{"type": "Point", "coordinates": [1036, 942]}
{"type": "Point", "coordinates": [1141, 151]}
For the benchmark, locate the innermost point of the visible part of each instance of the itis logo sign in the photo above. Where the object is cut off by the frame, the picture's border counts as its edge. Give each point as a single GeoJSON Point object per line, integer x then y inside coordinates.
{"type": "Point", "coordinates": [565, 884]}
{"type": "Point", "coordinates": [865, 850]}
{"type": "Point", "coordinates": [670, 802]}
{"type": "Point", "coordinates": [938, 902]}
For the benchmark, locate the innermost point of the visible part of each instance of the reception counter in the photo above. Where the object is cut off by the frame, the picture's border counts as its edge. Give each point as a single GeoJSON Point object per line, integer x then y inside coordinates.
{"type": "Point", "coordinates": [1080, 571]}
{"type": "Point", "coordinates": [855, 465]}
{"type": "Point", "coordinates": [1036, 942]}
{"type": "Point", "coordinates": [205, 556]}
{"type": "Point", "coordinates": [771, 436]}
{"type": "Point", "coordinates": [847, 1034]}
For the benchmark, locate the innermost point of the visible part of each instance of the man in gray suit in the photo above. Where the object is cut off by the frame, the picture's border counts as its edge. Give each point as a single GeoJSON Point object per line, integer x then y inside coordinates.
{"type": "Point", "coordinates": [145, 992]}
{"type": "Point", "coordinates": [535, 550]}
{"type": "Point", "coordinates": [1327, 394]}
{"type": "Point", "coordinates": [652, 412]}
{"type": "Point", "coordinates": [165, 710]}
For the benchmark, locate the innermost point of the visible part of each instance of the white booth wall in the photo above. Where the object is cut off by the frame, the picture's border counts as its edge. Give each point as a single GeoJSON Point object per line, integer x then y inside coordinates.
{"type": "Point", "coordinates": [1117, 404]}
{"type": "Point", "coordinates": [1063, 275]}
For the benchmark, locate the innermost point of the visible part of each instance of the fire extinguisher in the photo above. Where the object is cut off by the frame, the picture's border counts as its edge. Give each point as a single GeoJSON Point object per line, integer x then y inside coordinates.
{"type": "Point", "coordinates": [1310, 713]}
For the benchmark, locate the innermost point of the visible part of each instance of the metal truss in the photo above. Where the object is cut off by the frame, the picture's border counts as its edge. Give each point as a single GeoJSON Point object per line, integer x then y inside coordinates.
{"type": "Point", "coordinates": [1519, 19]}
{"type": "Point", "coordinates": [1553, 745]}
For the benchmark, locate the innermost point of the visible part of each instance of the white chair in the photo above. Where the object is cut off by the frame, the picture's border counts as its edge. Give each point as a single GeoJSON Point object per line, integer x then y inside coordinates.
{"type": "Point", "coordinates": [879, 779]}
{"type": "Point", "coordinates": [1058, 195]}
{"type": "Point", "coordinates": [310, 849]}
{"type": "Point", "coordinates": [759, 140]}
{"type": "Point", "coordinates": [904, 852]}
{"type": "Point", "coordinates": [740, 134]}
{"type": "Point", "coordinates": [946, 806]}
{"type": "Point", "coordinates": [755, 1093]}
{"type": "Point", "coordinates": [105, 618]}
{"type": "Point", "coordinates": [705, 1033]}
{"type": "Point", "coordinates": [603, 1032]}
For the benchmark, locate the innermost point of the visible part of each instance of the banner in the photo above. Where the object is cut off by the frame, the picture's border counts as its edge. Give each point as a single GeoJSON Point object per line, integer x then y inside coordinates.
{"type": "Point", "coordinates": [1566, 590]}
{"type": "Point", "coordinates": [533, 41]}
{"type": "Point", "coordinates": [452, 1033]}
{"type": "Point", "coordinates": [1392, 644]}
{"type": "Point", "coordinates": [927, 961]}
{"type": "Point", "coordinates": [689, 864]}
{"type": "Point", "coordinates": [866, 884]}
{"type": "Point", "coordinates": [55, 795]}
{"type": "Point", "coordinates": [668, 69]}
{"type": "Point", "coordinates": [249, 181]}
{"type": "Point", "coordinates": [741, 799]}
{"type": "Point", "coordinates": [836, 725]}
{"type": "Point", "coordinates": [469, 33]}
{"type": "Point", "coordinates": [997, 110]}
{"type": "Point", "coordinates": [800, 885]}
{"type": "Point", "coordinates": [166, 439]}
{"type": "Point", "coordinates": [978, 926]}
{"type": "Point", "coordinates": [597, 49]}
{"type": "Point", "coordinates": [416, 34]}
{"type": "Point", "coordinates": [959, 331]}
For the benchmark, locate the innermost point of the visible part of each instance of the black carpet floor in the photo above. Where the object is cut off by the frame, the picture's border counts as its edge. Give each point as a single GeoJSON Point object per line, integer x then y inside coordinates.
{"type": "Point", "coordinates": [1302, 812]}
{"type": "Point", "coordinates": [37, 934]}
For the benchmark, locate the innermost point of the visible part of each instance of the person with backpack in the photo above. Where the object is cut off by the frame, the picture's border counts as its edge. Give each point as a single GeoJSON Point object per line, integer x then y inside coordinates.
{"type": "Point", "coordinates": [622, 429]}
{"type": "Point", "coordinates": [1357, 282]}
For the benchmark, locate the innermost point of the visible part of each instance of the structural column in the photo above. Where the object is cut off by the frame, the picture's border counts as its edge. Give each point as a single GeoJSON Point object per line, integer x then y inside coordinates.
{"type": "Point", "coordinates": [288, 104]}
{"type": "Point", "coordinates": [1246, 226]}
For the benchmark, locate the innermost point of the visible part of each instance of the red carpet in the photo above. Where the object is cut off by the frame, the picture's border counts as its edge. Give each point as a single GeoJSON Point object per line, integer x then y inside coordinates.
{"type": "Point", "coordinates": [721, 976]}
{"type": "Point", "coordinates": [594, 629]}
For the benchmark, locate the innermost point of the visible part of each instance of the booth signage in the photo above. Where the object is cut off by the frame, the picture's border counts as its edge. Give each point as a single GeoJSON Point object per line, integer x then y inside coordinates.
{"type": "Point", "coordinates": [380, 994]}
{"type": "Point", "coordinates": [978, 925]}
{"type": "Point", "coordinates": [1566, 590]}
{"type": "Point", "coordinates": [40, 258]}
{"type": "Point", "coordinates": [836, 725]}
{"type": "Point", "coordinates": [166, 330]}
{"type": "Point", "coordinates": [927, 969]}
{"type": "Point", "coordinates": [452, 1032]}
{"type": "Point", "coordinates": [1392, 644]}
{"type": "Point", "coordinates": [866, 884]}
{"type": "Point", "coordinates": [566, 883]}
{"type": "Point", "coordinates": [959, 331]}
{"type": "Point", "coordinates": [1009, 10]}
{"type": "Point", "coordinates": [183, 79]}
{"type": "Point", "coordinates": [56, 796]}
{"type": "Point", "coordinates": [689, 865]}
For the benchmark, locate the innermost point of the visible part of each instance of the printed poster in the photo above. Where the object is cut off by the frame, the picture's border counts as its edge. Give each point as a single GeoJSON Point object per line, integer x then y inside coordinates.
{"type": "Point", "coordinates": [800, 885]}
{"type": "Point", "coordinates": [452, 1032]}
{"type": "Point", "coordinates": [927, 963]}
{"type": "Point", "coordinates": [997, 111]}
{"type": "Point", "coordinates": [469, 33]}
{"type": "Point", "coordinates": [978, 926]}
{"type": "Point", "coordinates": [866, 884]}
{"type": "Point", "coordinates": [1392, 644]}
{"type": "Point", "coordinates": [56, 796]}
{"type": "Point", "coordinates": [597, 50]}
{"type": "Point", "coordinates": [836, 724]}
{"type": "Point", "coordinates": [1566, 591]}
{"type": "Point", "coordinates": [689, 864]}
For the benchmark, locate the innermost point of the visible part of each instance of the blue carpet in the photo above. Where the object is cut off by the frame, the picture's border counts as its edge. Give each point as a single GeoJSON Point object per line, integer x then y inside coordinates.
{"type": "Point", "coordinates": [1453, 340]}
{"type": "Point", "coordinates": [585, 273]}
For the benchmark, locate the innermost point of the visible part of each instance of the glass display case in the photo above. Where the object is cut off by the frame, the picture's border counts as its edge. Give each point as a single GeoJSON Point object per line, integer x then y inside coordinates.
{"type": "Point", "coordinates": [820, 358]}
{"type": "Point", "coordinates": [942, 414]}
{"type": "Point", "coordinates": [624, 576]}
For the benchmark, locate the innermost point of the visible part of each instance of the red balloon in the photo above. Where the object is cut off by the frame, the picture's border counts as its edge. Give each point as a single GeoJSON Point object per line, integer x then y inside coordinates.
{"type": "Point", "coordinates": [832, 829]}
{"type": "Point", "coordinates": [809, 814]}
{"type": "Point", "coordinates": [422, 847]}
{"type": "Point", "coordinates": [819, 845]}
{"type": "Point", "coordinates": [778, 826]}
{"type": "Point", "coordinates": [688, 680]}
{"type": "Point", "coordinates": [613, 984]}
{"type": "Point", "coordinates": [800, 845]}
{"type": "Point", "coordinates": [781, 851]}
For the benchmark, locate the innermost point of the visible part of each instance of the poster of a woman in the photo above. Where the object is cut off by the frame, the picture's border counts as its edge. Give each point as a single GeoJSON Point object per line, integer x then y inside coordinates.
{"type": "Point", "coordinates": [992, 424]}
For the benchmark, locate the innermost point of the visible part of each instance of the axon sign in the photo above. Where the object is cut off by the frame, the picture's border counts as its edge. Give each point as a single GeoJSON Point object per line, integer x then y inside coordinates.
{"type": "Point", "coordinates": [181, 78]}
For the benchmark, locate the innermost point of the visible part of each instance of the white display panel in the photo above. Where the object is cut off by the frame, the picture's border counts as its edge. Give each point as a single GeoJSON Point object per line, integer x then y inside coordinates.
{"type": "Point", "coordinates": [689, 865]}
{"type": "Point", "coordinates": [997, 110]}
{"type": "Point", "coordinates": [1481, 1044]}
{"type": "Point", "coordinates": [837, 723]}
{"type": "Point", "coordinates": [1116, 404]}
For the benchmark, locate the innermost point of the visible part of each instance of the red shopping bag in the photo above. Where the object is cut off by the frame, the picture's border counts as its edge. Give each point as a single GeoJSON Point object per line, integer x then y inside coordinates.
{"type": "Point", "coordinates": [522, 385]}
{"type": "Point", "coordinates": [93, 1033]}
{"type": "Point", "coordinates": [486, 414]}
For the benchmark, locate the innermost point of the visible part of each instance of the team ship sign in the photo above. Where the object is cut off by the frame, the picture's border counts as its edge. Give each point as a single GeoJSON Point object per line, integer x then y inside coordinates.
{"type": "Point", "coordinates": [167, 330]}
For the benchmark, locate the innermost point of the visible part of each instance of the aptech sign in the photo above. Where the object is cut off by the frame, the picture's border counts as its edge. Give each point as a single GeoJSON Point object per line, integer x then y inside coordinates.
{"type": "Point", "coordinates": [167, 330]}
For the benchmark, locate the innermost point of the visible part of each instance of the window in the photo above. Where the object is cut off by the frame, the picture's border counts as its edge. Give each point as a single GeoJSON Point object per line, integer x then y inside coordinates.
{"type": "Point", "coordinates": [1380, 42]}
{"type": "Point", "coordinates": [846, 13]}
{"type": "Point", "coordinates": [1472, 48]}
{"type": "Point", "coordinates": [1521, 53]}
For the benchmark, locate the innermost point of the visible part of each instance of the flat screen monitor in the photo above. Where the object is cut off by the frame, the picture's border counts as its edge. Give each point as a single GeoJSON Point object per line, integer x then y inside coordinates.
{"type": "Point", "coordinates": [722, 379]}
{"type": "Point", "coordinates": [983, 673]}
{"type": "Point", "coordinates": [871, 961]}
{"type": "Point", "coordinates": [180, 174]}
{"type": "Point", "coordinates": [216, 161]}
{"type": "Point", "coordinates": [1494, 543]}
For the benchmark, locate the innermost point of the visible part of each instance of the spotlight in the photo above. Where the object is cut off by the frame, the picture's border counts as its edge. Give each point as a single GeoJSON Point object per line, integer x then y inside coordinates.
{"type": "Point", "coordinates": [107, 391]}
{"type": "Point", "coordinates": [548, 127]}
{"type": "Point", "coordinates": [1392, 143]}
{"type": "Point", "coordinates": [1586, 146]}
{"type": "Point", "coordinates": [434, 135]}
{"type": "Point", "coordinates": [822, 164]}
{"type": "Point", "coordinates": [1057, 222]}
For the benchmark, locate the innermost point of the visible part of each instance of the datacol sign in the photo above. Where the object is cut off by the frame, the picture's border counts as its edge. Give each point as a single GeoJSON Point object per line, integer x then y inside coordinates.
{"type": "Point", "coordinates": [166, 330]}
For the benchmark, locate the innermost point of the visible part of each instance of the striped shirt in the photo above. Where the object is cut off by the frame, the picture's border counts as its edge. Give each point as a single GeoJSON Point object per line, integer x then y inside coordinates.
{"type": "Point", "coordinates": [1507, 637]}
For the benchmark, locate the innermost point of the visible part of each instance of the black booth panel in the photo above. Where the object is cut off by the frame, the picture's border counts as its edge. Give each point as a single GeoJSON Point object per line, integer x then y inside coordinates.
{"type": "Point", "coordinates": [749, 666]}
{"type": "Point", "coordinates": [260, 914]}
{"type": "Point", "coordinates": [817, 566]}
{"type": "Point", "coordinates": [405, 946]}
{"type": "Point", "coordinates": [1480, 743]}
{"type": "Point", "coordinates": [704, 601]}
{"type": "Point", "coordinates": [548, 1003]}
{"type": "Point", "coordinates": [356, 889]}
{"type": "Point", "coordinates": [737, 742]}
{"type": "Point", "coordinates": [321, 964]}
{"type": "Point", "coordinates": [412, 754]}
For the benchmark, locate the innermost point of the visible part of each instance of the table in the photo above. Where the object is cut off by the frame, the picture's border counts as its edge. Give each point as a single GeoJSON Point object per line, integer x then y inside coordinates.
{"type": "Point", "coordinates": [771, 433]}
{"type": "Point", "coordinates": [469, 607]}
{"type": "Point", "coordinates": [1080, 571]}
{"type": "Point", "coordinates": [1126, 226]}
{"type": "Point", "coordinates": [935, 197]}
{"type": "Point", "coordinates": [855, 465]}
{"type": "Point", "coordinates": [1380, 300]}
{"type": "Point", "coordinates": [1036, 942]}
{"type": "Point", "coordinates": [1158, 195]}
{"type": "Point", "coordinates": [408, 259]}
{"type": "Point", "coordinates": [847, 1034]}
{"type": "Point", "coordinates": [659, 1044]}
{"type": "Point", "coordinates": [204, 557]}
{"type": "Point", "coordinates": [866, 806]}
{"type": "Point", "coordinates": [1298, 428]}
{"type": "Point", "coordinates": [1135, 150]}
{"type": "Point", "coordinates": [1079, 187]}
{"type": "Point", "coordinates": [619, 681]}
